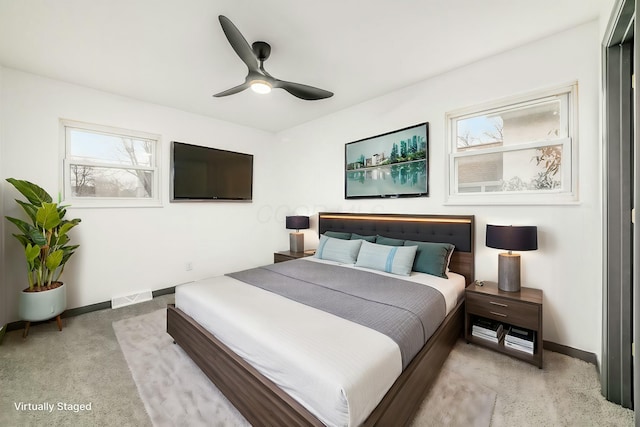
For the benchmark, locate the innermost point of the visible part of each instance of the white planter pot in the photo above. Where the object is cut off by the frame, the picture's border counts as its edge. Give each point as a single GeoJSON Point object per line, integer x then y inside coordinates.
{"type": "Point", "coordinates": [38, 306]}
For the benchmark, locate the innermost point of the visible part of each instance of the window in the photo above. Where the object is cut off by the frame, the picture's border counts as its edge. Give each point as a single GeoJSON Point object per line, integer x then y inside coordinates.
{"type": "Point", "coordinates": [105, 166]}
{"type": "Point", "coordinates": [519, 151]}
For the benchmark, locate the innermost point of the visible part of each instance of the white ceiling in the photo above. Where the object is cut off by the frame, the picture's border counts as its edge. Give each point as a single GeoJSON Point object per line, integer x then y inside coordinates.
{"type": "Point", "coordinates": [174, 53]}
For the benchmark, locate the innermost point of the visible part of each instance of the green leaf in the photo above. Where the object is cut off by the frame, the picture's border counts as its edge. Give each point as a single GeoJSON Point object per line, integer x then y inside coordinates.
{"type": "Point", "coordinates": [70, 248]}
{"type": "Point", "coordinates": [29, 209]}
{"type": "Point", "coordinates": [60, 240]}
{"type": "Point", "coordinates": [65, 227]}
{"type": "Point", "coordinates": [54, 259]}
{"type": "Point", "coordinates": [68, 251]}
{"type": "Point", "coordinates": [24, 240]}
{"type": "Point", "coordinates": [34, 194]}
{"type": "Point", "coordinates": [37, 237]}
{"type": "Point", "coordinates": [23, 226]}
{"type": "Point", "coordinates": [31, 253]}
{"type": "Point", "coordinates": [47, 216]}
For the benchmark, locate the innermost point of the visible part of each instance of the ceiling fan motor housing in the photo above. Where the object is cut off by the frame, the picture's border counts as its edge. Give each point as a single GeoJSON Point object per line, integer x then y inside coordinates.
{"type": "Point", "coordinates": [262, 50]}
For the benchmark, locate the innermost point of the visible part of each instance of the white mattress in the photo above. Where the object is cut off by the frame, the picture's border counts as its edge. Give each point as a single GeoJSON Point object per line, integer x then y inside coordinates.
{"type": "Point", "coordinates": [314, 356]}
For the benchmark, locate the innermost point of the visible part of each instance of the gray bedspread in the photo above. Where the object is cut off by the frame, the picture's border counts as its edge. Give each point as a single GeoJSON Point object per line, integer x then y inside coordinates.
{"type": "Point", "coordinates": [407, 312]}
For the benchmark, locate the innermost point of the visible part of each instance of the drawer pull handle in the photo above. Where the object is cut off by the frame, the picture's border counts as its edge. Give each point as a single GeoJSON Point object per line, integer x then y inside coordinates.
{"type": "Point", "coordinates": [498, 314]}
{"type": "Point", "coordinates": [499, 304]}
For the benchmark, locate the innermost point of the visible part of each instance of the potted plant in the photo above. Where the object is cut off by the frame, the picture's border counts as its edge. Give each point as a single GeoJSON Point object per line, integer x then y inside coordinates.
{"type": "Point", "coordinates": [47, 250]}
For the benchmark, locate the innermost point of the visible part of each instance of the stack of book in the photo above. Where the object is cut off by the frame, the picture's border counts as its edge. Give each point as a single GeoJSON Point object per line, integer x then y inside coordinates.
{"type": "Point", "coordinates": [487, 329]}
{"type": "Point", "coordinates": [520, 339]}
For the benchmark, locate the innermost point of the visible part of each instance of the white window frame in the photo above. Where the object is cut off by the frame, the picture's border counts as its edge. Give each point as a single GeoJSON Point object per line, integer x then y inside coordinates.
{"type": "Point", "coordinates": [108, 202]}
{"type": "Point", "coordinates": [567, 194]}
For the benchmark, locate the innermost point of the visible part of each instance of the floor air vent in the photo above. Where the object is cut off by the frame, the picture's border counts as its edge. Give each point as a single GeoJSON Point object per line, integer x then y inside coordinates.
{"type": "Point", "coordinates": [117, 302]}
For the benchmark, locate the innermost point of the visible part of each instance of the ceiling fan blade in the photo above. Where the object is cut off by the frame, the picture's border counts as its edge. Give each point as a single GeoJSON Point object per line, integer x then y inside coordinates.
{"type": "Point", "coordinates": [233, 90]}
{"type": "Point", "coordinates": [239, 43]}
{"type": "Point", "coordinates": [308, 93]}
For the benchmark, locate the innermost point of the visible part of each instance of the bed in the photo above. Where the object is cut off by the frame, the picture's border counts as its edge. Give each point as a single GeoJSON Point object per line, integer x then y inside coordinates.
{"type": "Point", "coordinates": [254, 391]}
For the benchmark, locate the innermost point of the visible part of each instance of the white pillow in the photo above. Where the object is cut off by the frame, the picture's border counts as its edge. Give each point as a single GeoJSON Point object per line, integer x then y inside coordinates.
{"type": "Point", "coordinates": [340, 250]}
{"type": "Point", "coordinates": [392, 259]}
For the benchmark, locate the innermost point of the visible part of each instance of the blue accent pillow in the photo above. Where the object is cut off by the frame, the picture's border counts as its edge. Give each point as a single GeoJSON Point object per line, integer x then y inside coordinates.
{"type": "Point", "coordinates": [381, 240]}
{"type": "Point", "coordinates": [340, 250]}
{"type": "Point", "coordinates": [392, 259]}
{"type": "Point", "coordinates": [355, 236]}
{"type": "Point", "coordinates": [338, 235]}
{"type": "Point", "coordinates": [431, 258]}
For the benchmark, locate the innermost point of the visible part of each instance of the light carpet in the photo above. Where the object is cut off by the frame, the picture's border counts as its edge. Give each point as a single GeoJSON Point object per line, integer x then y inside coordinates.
{"type": "Point", "coordinates": [175, 392]}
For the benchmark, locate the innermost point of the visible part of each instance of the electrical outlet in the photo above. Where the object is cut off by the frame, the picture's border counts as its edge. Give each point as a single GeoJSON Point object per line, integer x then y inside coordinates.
{"type": "Point", "coordinates": [188, 266]}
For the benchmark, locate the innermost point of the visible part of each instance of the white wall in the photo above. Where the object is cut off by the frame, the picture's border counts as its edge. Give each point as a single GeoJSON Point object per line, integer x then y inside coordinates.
{"type": "Point", "coordinates": [125, 250]}
{"type": "Point", "coordinates": [567, 266]}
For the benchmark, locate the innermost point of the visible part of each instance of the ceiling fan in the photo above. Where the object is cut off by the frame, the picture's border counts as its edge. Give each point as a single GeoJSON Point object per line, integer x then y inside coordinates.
{"type": "Point", "coordinates": [258, 79]}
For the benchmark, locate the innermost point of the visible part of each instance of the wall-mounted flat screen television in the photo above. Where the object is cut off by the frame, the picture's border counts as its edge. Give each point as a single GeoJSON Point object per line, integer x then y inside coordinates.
{"type": "Point", "coordinates": [209, 174]}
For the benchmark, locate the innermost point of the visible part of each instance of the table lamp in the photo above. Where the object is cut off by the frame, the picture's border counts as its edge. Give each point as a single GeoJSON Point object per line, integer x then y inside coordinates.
{"type": "Point", "coordinates": [518, 238]}
{"type": "Point", "coordinates": [296, 240]}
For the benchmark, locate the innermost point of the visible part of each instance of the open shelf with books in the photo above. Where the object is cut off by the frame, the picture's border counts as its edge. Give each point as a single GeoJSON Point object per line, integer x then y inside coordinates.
{"type": "Point", "coordinates": [487, 329]}
{"type": "Point", "coordinates": [508, 322]}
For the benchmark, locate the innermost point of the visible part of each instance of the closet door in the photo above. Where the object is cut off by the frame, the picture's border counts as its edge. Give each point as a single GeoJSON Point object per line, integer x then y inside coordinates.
{"type": "Point", "coordinates": [635, 291]}
{"type": "Point", "coordinates": [621, 235]}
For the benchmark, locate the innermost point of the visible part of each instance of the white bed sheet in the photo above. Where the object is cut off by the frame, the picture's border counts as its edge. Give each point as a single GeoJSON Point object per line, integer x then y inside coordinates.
{"type": "Point", "coordinates": [323, 361]}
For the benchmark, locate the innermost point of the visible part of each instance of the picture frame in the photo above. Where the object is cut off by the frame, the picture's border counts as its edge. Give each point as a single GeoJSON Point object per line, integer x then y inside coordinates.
{"type": "Point", "coordinates": [390, 165]}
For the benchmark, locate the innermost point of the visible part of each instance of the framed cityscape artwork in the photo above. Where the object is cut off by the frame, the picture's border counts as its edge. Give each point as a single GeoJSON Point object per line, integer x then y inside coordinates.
{"type": "Point", "coordinates": [394, 164]}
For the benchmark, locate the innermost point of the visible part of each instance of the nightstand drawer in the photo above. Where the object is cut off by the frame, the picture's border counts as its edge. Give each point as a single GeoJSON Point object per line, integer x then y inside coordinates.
{"type": "Point", "coordinates": [509, 311]}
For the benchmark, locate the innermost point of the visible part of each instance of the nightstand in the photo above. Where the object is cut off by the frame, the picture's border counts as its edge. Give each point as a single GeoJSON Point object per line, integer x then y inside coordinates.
{"type": "Point", "coordinates": [288, 255]}
{"type": "Point", "coordinates": [519, 309]}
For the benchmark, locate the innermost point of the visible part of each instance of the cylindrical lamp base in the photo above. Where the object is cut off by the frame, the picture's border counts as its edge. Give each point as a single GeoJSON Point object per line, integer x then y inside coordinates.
{"type": "Point", "coordinates": [509, 272]}
{"type": "Point", "coordinates": [296, 242]}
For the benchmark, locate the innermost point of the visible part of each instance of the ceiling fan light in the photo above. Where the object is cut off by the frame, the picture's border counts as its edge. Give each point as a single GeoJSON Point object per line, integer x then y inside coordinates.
{"type": "Point", "coordinates": [260, 86]}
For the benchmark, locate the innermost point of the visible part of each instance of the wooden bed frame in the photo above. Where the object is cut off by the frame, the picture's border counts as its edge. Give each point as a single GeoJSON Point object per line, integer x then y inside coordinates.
{"type": "Point", "coordinates": [263, 403]}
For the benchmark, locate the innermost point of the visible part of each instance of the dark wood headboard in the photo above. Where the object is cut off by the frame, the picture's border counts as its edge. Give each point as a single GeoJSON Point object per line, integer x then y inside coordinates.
{"type": "Point", "coordinates": [458, 230]}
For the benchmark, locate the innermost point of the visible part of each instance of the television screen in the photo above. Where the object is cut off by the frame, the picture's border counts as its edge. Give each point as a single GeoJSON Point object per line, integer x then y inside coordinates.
{"type": "Point", "coordinates": [203, 173]}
